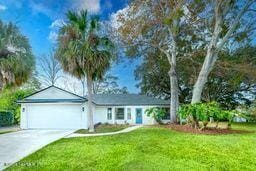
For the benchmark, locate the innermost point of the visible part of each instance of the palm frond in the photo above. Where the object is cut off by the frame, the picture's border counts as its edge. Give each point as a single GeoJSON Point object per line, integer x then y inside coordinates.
{"type": "Point", "coordinates": [81, 50]}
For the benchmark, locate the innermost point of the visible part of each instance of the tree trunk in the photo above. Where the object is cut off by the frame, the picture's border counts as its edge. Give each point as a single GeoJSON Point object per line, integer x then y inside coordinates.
{"type": "Point", "coordinates": [174, 94]}
{"type": "Point", "coordinates": [173, 82]}
{"type": "Point", "coordinates": [90, 113]}
{"type": "Point", "coordinates": [211, 56]}
{"type": "Point", "coordinates": [216, 45]}
{"type": "Point", "coordinates": [172, 58]}
{"type": "Point", "coordinates": [83, 86]}
{"type": "Point", "coordinates": [203, 76]}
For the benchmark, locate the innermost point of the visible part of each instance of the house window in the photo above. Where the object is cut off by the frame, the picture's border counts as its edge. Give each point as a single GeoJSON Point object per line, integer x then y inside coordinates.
{"type": "Point", "coordinates": [119, 113]}
{"type": "Point", "coordinates": [23, 109]}
{"type": "Point", "coordinates": [129, 113]}
{"type": "Point", "coordinates": [167, 114]}
{"type": "Point", "coordinates": [109, 114]}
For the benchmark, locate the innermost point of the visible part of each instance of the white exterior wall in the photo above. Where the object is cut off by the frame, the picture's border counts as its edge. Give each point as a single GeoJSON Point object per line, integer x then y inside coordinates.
{"type": "Point", "coordinates": [100, 115]}
{"type": "Point", "coordinates": [23, 117]}
{"type": "Point", "coordinates": [53, 116]}
{"type": "Point", "coordinates": [84, 117]}
{"type": "Point", "coordinates": [65, 115]}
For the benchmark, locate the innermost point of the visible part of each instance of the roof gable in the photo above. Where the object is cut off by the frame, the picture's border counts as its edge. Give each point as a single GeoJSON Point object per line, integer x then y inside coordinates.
{"type": "Point", "coordinates": [53, 92]}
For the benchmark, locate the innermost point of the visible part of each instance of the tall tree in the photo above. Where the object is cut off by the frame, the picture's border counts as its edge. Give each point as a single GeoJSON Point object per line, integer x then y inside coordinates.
{"type": "Point", "coordinates": [231, 19]}
{"type": "Point", "coordinates": [156, 25]}
{"type": "Point", "coordinates": [153, 79]}
{"type": "Point", "coordinates": [50, 69]}
{"type": "Point", "coordinates": [84, 52]}
{"type": "Point", "coordinates": [231, 82]}
{"type": "Point", "coordinates": [16, 58]}
{"type": "Point", "coordinates": [108, 85]}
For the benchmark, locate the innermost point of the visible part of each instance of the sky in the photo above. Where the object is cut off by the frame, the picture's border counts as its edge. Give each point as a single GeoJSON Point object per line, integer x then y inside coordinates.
{"type": "Point", "coordinates": [39, 19]}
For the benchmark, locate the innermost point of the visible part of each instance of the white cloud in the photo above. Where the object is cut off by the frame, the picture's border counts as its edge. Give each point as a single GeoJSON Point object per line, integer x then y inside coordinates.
{"type": "Point", "coordinates": [54, 9]}
{"type": "Point", "coordinates": [2, 7]}
{"type": "Point", "coordinates": [57, 23]}
{"type": "Point", "coordinates": [93, 6]}
{"type": "Point", "coordinates": [40, 8]}
{"type": "Point", "coordinates": [53, 36]}
{"type": "Point", "coordinates": [114, 17]}
{"type": "Point", "coordinates": [54, 28]}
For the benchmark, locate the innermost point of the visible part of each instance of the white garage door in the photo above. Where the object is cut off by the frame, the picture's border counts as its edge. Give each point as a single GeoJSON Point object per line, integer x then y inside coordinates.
{"type": "Point", "coordinates": [54, 116]}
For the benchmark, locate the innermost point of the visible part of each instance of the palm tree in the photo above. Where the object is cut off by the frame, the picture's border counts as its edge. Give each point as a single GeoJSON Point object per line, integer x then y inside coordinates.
{"type": "Point", "coordinates": [16, 58]}
{"type": "Point", "coordinates": [83, 52]}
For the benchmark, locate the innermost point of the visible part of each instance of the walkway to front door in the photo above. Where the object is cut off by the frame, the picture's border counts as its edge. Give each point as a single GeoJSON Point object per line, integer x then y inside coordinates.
{"type": "Point", "coordinates": [138, 116]}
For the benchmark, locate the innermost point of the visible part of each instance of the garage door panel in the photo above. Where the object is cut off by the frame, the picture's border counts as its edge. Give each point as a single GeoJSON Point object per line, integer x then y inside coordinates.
{"type": "Point", "coordinates": [54, 116]}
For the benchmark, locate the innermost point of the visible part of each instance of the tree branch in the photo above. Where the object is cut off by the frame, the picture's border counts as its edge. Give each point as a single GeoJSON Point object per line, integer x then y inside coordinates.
{"type": "Point", "coordinates": [235, 24]}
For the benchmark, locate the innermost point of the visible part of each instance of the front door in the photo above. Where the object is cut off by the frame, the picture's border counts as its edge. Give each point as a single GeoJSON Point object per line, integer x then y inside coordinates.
{"type": "Point", "coordinates": [138, 116]}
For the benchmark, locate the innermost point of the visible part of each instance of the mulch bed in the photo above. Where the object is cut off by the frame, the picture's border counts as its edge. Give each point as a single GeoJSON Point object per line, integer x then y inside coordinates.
{"type": "Point", "coordinates": [207, 131]}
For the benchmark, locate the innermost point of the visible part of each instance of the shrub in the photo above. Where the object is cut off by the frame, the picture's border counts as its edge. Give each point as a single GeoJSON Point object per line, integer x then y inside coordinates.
{"type": "Point", "coordinates": [202, 112]}
{"type": "Point", "coordinates": [252, 115]}
{"type": "Point", "coordinates": [8, 100]}
{"type": "Point", "coordinates": [6, 118]}
{"type": "Point", "coordinates": [251, 112]}
{"type": "Point", "coordinates": [248, 112]}
{"type": "Point", "coordinates": [157, 113]}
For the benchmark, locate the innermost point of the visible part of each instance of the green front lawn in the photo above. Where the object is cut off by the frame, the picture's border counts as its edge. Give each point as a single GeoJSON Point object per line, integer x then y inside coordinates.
{"type": "Point", "coordinates": [104, 128]}
{"type": "Point", "coordinates": [148, 148]}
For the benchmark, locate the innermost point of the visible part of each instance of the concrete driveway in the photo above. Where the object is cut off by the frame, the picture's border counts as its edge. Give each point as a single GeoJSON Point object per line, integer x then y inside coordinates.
{"type": "Point", "coordinates": [16, 145]}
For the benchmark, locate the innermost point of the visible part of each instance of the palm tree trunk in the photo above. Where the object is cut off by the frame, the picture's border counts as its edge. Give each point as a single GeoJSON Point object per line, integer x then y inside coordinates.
{"type": "Point", "coordinates": [90, 113]}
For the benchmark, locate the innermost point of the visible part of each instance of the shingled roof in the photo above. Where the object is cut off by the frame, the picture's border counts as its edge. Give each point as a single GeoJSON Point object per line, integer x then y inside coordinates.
{"type": "Point", "coordinates": [101, 99]}
{"type": "Point", "coordinates": [127, 100]}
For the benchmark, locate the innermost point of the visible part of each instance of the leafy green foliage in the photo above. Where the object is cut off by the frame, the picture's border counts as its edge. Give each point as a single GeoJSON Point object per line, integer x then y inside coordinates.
{"type": "Point", "coordinates": [157, 113]}
{"type": "Point", "coordinates": [6, 118]}
{"type": "Point", "coordinates": [8, 102]}
{"type": "Point", "coordinates": [202, 112]}
{"type": "Point", "coordinates": [252, 112]}
{"type": "Point", "coordinates": [231, 82]}
{"type": "Point", "coordinates": [16, 58]}
{"type": "Point", "coordinates": [249, 112]}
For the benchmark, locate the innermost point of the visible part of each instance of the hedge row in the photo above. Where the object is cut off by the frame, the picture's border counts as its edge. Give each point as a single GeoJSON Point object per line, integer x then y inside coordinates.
{"type": "Point", "coordinates": [6, 118]}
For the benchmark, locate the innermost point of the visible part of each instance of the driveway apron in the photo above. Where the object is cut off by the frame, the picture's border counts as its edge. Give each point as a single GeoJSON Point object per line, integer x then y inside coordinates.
{"type": "Point", "coordinates": [17, 145]}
